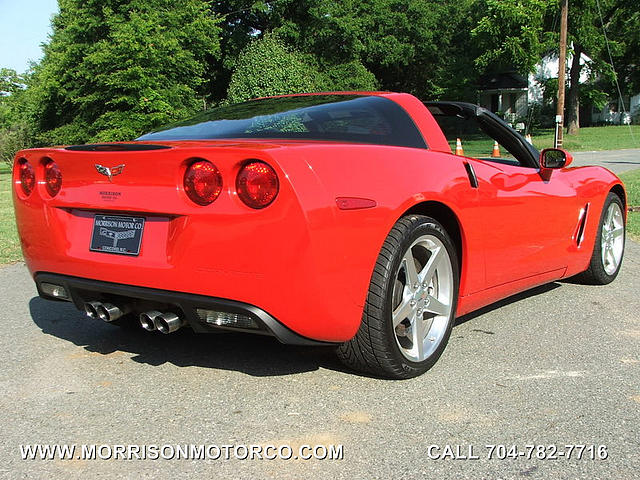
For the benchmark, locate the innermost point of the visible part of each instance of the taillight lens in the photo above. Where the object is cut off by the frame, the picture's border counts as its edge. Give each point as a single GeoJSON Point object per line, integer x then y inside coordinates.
{"type": "Point", "coordinates": [52, 177]}
{"type": "Point", "coordinates": [202, 182]}
{"type": "Point", "coordinates": [26, 176]}
{"type": "Point", "coordinates": [257, 184]}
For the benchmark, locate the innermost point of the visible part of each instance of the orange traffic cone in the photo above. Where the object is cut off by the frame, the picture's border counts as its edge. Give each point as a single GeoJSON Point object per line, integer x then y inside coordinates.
{"type": "Point", "coordinates": [496, 150]}
{"type": "Point", "coordinates": [459, 150]}
{"type": "Point", "coordinates": [528, 138]}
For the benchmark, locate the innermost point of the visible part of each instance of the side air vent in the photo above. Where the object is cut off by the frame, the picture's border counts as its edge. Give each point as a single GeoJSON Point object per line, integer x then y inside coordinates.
{"type": "Point", "coordinates": [471, 173]}
{"type": "Point", "coordinates": [116, 147]}
{"type": "Point", "coordinates": [582, 222]}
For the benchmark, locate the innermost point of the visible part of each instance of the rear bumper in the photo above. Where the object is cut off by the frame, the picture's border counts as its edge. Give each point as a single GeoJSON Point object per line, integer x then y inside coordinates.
{"type": "Point", "coordinates": [141, 299]}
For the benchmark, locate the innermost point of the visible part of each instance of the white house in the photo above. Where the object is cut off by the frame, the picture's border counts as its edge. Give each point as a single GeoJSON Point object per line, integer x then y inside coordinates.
{"type": "Point", "coordinates": [510, 94]}
{"type": "Point", "coordinates": [612, 113]}
{"type": "Point", "coordinates": [505, 93]}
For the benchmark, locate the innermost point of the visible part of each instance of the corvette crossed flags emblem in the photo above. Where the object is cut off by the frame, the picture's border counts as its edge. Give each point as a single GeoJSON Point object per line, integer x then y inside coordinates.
{"type": "Point", "coordinates": [110, 172]}
{"type": "Point", "coordinates": [115, 236]}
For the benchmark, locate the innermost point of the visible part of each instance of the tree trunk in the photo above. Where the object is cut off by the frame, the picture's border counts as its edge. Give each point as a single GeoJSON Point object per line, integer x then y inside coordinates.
{"type": "Point", "coordinates": [573, 97]}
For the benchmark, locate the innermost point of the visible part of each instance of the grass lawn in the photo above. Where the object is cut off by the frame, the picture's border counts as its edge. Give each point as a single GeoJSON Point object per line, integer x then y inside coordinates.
{"type": "Point", "coordinates": [632, 183]}
{"type": "Point", "coordinates": [613, 137]}
{"type": "Point", "coordinates": [9, 244]}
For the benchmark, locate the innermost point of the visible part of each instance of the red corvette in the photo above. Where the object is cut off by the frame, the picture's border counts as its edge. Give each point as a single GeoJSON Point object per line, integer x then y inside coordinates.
{"type": "Point", "coordinates": [340, 218]}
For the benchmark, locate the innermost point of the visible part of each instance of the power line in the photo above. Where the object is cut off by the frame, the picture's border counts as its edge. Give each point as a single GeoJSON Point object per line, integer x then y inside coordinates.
{"type": "Point", "coordinates": [615, 74]}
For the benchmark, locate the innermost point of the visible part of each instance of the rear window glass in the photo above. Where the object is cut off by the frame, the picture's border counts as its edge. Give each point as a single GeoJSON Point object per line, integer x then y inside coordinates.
{"type": "Point", "coordinates": [350, 118]}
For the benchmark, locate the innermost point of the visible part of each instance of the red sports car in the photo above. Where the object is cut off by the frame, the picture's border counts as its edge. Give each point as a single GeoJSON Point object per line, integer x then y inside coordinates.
{"type": "Point", "coordinates": [334, 218]}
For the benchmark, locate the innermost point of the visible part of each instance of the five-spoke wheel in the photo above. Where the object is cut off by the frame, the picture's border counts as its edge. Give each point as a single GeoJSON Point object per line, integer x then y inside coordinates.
{"type": "Point", "coordinates": [608, 249]}
{"type": "Point", "coordinates": [422, 298]}
{"type": "Point", "coordinates": [411, 303]}
{"type": "Point", "coordinates": [612, 238]}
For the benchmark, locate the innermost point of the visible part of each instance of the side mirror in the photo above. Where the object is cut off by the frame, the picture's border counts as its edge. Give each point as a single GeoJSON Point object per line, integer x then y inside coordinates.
{"type": "Point", "coordinates": [554, 158]}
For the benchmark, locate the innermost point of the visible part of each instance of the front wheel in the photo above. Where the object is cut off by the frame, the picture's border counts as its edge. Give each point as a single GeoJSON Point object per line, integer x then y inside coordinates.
{"type": "Point", "coordinates": [608, 250]}
{"type": "Point", "coordinates": [411, 303]}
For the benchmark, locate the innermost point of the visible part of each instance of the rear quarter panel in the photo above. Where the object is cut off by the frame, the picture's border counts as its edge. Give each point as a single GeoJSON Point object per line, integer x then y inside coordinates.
{"type": "Point", "coordinates": [345, 243]}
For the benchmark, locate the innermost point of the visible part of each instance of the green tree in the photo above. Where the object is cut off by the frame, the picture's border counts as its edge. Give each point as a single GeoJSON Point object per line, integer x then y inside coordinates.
{"type": "Point", "coordinates": [415, 46]}
{"type": "Point", "coordinates": [512, 35]}
{"type": "Point", "coordinates": [587, 36]}
{"type": "Point", "coordinates": [419, 47]}
{"type": "Point", "coordinates": [116, 68]}
{"type": "Point", "coordinates": [14, 131]}
{"type": "Point", "coordinates": [10, 82]}
{"type": "Point", "coordinates": [624, 27]}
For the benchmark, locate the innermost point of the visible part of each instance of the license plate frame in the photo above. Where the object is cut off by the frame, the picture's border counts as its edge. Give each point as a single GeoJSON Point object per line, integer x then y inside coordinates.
{"type": "Point", "coordinates": [117, 234]}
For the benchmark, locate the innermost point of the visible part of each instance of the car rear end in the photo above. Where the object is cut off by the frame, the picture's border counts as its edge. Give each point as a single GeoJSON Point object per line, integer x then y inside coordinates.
{"type": "Point", "coordinates": [210, 234]}
{"type": "Point", "coordinates": [256, 216]}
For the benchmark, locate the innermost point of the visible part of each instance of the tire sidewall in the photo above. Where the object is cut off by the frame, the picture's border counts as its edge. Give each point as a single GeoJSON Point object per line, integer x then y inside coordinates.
{"type": "Point", "coordinates": [420, 226]}
{"type": "Point", "coordinates": [597, 264]}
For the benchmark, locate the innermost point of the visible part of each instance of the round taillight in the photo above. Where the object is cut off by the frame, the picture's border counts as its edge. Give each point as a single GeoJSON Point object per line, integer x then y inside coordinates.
{"type": "Point", "coordinates": [257, 184]}
{"type": "Point", "coordinates": [52, 177]}
{"type": "Point", "coordinates": [26, 176]}
{"type": "Point", "coordinates": [202, 182]}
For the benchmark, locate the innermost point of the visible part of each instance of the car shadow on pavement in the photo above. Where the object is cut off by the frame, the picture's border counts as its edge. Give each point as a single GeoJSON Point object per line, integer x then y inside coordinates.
{"type": "Point", "coordinates": [254, 355]}
{"type": "Point", "coordinates": [507, 301]}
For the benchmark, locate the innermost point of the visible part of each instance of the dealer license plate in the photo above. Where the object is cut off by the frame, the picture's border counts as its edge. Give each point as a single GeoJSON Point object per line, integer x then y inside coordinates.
{"type": "Point", "coordinates": [117, 234]}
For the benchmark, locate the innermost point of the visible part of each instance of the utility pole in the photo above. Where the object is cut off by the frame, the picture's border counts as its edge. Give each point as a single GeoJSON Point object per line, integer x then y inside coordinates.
{"type": "Point", "coordinates": [562, 61]}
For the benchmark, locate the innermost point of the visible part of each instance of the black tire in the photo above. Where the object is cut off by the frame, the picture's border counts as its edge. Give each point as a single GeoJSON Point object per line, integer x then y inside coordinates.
{"type": "Point", "coordinates": [375, 348]}
{"type": "Point", "coordinates": [596, 273]}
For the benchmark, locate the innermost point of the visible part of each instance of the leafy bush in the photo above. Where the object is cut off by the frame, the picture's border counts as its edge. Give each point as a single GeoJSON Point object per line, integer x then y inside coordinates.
{"type": "Point", "coordinates": [268, 67]}
{"type": "Point", "coordinates": [11, 140]}
{"type": "Point", "coordinates": [349, 76]}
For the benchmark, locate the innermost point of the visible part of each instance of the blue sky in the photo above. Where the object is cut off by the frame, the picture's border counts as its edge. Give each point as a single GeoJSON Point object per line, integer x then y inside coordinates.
{"type": "Point", "coordinates": [24, 25]}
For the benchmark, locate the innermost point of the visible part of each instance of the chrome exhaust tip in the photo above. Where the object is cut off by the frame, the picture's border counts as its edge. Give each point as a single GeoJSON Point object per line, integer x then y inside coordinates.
{"type": "Point", "coordinates": [168, 322]}
{"type": "Point", "coordinates": [109, 312]}
{"type": "Point", "coordinates": [91, 309]}
{"type": "Point", "coordinates": [148, 320]}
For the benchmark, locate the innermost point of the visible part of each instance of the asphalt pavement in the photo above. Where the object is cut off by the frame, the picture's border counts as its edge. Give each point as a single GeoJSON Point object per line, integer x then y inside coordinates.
{"type": "Point", "coordinates": [617, 161]}
{"type": "Point", "coordinates": [558, 365]}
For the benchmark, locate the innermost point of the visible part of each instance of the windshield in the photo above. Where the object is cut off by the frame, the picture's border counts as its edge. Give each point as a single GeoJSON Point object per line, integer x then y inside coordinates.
{"type": "Point", "coordinates": [350, 118]}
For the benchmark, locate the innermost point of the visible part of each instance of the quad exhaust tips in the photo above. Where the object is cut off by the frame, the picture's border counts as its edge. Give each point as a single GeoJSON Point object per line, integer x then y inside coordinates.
{"type": "Point", "coordinates": [148, 320]}
{"type": "Point", "coordinates": [163, 322]}
{"type": "Point", "coordinates": [166, 322]}
{"type": "Point", "coordinates": [104, 311]}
